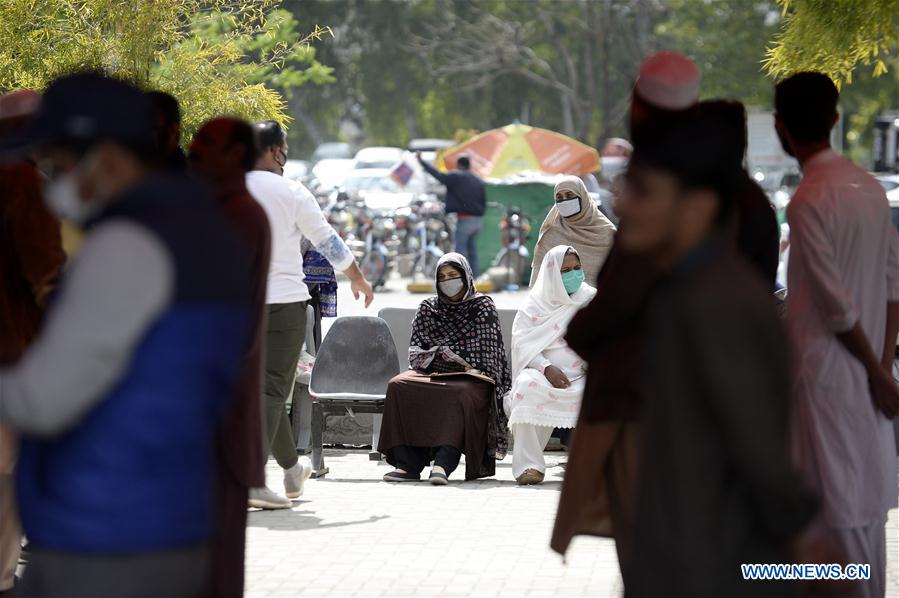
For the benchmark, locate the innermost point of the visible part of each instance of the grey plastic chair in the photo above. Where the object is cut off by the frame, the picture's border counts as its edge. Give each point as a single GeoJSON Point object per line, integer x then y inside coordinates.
{"type": "Point", "coordinates": [399, 320]}
{"type": "Point", "coordinates": [353, 366]}
{"type": "Point", "coordinates": [506, 319]}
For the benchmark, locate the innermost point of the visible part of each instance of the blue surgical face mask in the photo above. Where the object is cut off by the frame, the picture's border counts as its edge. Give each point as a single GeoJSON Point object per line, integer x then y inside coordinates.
{"type": "Point", "coordinates": [572, 280]}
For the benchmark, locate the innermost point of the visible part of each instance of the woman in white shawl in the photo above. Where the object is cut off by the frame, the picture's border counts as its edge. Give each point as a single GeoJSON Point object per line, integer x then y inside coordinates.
{"type": "Point", "coordinates": [547, 377]}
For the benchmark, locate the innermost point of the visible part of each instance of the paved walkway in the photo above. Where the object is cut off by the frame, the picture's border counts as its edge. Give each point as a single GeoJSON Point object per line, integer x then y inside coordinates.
{"type": "Point", "coordinates": [353, 535]}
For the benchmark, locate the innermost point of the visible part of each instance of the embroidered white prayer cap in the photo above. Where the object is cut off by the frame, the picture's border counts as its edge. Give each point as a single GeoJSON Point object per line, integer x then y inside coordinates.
{"type": "Point", "coordinates": [668, 80]}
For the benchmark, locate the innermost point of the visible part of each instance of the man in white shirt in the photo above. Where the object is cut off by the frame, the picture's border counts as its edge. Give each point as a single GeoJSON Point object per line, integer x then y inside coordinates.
{"type": "Point", "coordinates": [293, 214]}
{"type": "Point", "coordinates": [842, 315]}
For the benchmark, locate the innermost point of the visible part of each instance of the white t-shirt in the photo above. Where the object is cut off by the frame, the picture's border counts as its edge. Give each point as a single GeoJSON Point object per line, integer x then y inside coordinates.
{"type": "Point", "coordinates": [293, 214]}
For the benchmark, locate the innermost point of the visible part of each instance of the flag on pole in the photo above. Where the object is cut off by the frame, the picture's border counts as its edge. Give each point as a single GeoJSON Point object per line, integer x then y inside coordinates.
{"type": "Point", "coordinates": [401, 173]}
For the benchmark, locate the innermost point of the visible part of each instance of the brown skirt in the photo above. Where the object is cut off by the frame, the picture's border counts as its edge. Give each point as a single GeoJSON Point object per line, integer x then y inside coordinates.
{"type": "Point", "coordinates": [447, 412]}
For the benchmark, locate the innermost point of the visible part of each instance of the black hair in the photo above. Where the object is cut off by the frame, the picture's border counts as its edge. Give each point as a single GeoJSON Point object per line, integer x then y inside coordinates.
{"type": "Point", "coordinates": [166, 105]}
{"type": "Point", "coordinates": [463, 162]}
{"type": "Point", "coordinates": [697, 151]}
{"type": "Point", "coordinates": [732, 115]}
{"type": "Point", "coordinates": [655, 118]}
{"type": "Point", "coordinates": [806, 104]}
{"type": "Point", "coordinates": [269, 134]}
{"type": "Point", "coordinates": [242, 135]}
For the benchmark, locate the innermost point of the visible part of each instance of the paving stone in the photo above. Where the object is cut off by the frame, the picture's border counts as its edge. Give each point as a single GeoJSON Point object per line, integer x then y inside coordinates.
{"type": "Point", "coordinates": [353, 535]}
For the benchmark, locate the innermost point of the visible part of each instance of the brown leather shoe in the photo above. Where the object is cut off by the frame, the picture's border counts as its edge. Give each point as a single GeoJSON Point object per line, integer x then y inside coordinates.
{"type": "Point", "coordinates": [530, 477]}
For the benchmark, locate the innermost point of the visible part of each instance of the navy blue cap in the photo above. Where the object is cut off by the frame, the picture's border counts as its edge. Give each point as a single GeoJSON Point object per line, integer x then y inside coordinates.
{"type": "Point", "coordinates": [85, 108]}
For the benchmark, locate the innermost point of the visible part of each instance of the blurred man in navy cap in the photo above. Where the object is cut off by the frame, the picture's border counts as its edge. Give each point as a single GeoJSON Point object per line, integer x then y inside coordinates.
{"type": "Point", "coordinates": [119, 397]}
{"type": "Point", "coordinates": [31, 257]}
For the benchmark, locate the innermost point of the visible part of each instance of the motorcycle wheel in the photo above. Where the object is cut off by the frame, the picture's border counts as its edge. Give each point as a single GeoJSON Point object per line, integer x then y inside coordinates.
{"type": "Point", "coordinates": [374, 268]}
{"type": "Point", "coordinates": [514, 264]}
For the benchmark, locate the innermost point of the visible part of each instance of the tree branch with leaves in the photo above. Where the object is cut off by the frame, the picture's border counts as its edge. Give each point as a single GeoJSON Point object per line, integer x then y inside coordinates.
{"type": "Point", "coordinates": [834, 37]}
{"type": "Point", "coordinates": [215, 56]}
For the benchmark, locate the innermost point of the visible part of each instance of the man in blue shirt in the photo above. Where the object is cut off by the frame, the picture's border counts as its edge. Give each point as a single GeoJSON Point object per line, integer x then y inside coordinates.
{"type": "Point", "coordinates": [467, 198]}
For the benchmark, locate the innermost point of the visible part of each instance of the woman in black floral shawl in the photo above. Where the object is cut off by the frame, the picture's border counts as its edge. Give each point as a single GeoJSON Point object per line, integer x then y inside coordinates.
{"type": "Point", "coordinates": [424, 417]}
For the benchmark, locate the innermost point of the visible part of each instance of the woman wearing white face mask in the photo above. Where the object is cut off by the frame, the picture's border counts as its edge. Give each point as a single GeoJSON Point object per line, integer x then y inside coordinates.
{"type": "Point", "coordinates": [438, 419]}
{"type": "Point", "coordinates": [575, 220]}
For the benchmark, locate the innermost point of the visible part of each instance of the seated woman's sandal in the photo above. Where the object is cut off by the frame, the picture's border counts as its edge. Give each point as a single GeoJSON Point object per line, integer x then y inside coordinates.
{"type": "Point", "coordinates": [530, 477]}
{"type": "Point", "coordinates": [401, 476]}
{"type": "Point", "coordinates": [438, 479]}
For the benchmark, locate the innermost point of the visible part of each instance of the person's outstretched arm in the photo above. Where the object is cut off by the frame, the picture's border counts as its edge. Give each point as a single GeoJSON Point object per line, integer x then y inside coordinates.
{"type": "Point", "coordinates": [440, 176]}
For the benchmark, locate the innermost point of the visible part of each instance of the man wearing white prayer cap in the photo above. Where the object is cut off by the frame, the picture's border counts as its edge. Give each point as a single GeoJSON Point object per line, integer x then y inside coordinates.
{"type": "Point", "coordinates": [667, 85]}
{"type": "Point", "coordinates": [605, 451]}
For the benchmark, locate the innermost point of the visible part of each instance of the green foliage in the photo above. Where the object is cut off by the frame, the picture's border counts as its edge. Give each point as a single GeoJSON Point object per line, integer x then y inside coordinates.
{"type": "Point", "coordinates": [834, 36]}
{"type": "Point", "coordinates": [727, 40]}
{"type": "Point", "coordinates": [216, 56]}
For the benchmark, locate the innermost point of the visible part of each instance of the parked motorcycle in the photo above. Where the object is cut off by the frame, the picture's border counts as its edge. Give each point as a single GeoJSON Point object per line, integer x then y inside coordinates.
{"type": "Point", "coordinates": [378, 244]}
{"type": "Point", "coordinates": [514, 257]}
{"type": "Point", "coordinates": [343, 214]}
{"type": "Point", "coordinates": [426, 236]}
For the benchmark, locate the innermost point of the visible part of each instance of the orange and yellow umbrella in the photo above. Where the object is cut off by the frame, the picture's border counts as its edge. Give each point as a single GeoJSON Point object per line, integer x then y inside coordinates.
{"type": "Point", "coordinates": [515, 148]}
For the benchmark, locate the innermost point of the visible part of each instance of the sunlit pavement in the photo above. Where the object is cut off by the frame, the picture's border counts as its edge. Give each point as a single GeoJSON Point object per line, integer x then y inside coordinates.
{"type": "Point", "coordinates": [353, 535]}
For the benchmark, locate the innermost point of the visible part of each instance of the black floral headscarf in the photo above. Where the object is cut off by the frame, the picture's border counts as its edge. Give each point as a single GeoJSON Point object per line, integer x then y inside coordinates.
{"type": "Point", "coordinates": [453, 337]}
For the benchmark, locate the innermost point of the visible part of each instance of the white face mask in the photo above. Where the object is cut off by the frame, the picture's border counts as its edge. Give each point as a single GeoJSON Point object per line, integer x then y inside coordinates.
{"type": "Point", "coordinates": [569, 207]}
{"type": "Point", "coordinates": [62, 198]}
{"type": "Point", "coordinates": [61, 193]}
{"type": "Point", "coordinates": [451, 287]}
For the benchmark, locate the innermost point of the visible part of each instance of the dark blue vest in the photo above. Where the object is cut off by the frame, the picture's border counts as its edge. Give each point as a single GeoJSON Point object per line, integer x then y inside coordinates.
{"type": "Point", "coordinates": [136, 472]}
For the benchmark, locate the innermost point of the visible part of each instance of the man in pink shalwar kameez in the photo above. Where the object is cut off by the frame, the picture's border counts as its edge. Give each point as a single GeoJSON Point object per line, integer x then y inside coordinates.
{"type": "Point", "coordinates": [843, 282]}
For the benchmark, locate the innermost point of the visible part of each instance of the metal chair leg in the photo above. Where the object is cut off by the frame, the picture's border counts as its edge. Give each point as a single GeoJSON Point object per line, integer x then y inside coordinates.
{"type": "Point", "coordinates": [318, 425]}
{"type": "Point", "coordinates": [376, 418]}
{"type": "Point", "coordinates": [301, 419]}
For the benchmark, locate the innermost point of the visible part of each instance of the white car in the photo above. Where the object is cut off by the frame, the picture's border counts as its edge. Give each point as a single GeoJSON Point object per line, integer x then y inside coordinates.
{"type": "Point", "coordinates": [378, 157]}
{"type": "Point", "coordinates": [295, 170]}
{"type": "Point", "coordinates": [379, 191]}
{"type": "Point", "coordinates": [331, 172]}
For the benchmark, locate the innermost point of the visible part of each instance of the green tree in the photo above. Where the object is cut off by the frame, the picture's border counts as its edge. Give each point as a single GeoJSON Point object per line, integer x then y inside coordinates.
{"type": "Point", "coordinates": [214, 55]}
{"type": "Point", "coordinates": [727, 40]}
{"type": "Point", "coordinates": [835, 36]}
{"type": "Point", "coordinates": [852, 41]}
